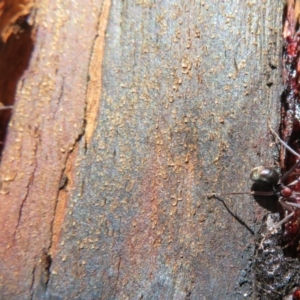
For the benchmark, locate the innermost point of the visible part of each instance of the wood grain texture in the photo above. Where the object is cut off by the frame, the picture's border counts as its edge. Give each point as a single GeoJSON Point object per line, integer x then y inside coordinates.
{"type": "Point", "coordinates": [48, 121]}
{"type": "Point", "coordinates": [183, 98]}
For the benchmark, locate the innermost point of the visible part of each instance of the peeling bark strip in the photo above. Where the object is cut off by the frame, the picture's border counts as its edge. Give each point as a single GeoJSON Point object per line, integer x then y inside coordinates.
{"type": "Point", "coordinates": [93, 94]}
{"type": "Point", "coordinates": [48, 122]}
{"type": "Point", "coordinates": [66, 185]}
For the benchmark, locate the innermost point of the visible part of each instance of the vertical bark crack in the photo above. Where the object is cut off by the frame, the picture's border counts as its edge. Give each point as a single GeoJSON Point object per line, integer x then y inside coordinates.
{"type": "Point", "coordinates": [30, 182]}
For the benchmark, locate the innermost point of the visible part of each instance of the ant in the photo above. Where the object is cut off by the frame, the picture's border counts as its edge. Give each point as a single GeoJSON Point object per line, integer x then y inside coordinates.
{"type": "Point", "coordinates": [287, 197]}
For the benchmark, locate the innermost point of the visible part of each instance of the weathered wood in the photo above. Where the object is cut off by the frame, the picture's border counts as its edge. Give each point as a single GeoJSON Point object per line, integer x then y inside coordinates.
{"type": "Point", "coordinates": [108, 157]}
{"type": "Point", "coordinates": [41, 146]}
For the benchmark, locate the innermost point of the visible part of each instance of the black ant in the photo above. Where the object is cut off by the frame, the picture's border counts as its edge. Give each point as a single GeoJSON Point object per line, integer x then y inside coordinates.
{"type": "Point", "coordinates": [287, 197]}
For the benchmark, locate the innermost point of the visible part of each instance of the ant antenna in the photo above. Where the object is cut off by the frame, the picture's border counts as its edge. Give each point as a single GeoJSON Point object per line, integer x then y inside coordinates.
{"type": "Point", "coordinates": [252, 193]}
{"type": "Point", "coordinates": [211, 195]}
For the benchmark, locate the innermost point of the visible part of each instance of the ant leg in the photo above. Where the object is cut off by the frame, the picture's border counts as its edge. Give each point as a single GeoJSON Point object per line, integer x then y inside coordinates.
{"type": "Point", "coordinates": [293, 204]}
{"type": "Point", "coordinates": [294, 182]}
{"type": "Point", "coordinates": [287, 205]}
{"type": "Point", "coordinates": [6, 107]}
{"type": "Point", "coordinates": [282, 221]}
{"type": "Point", "coordinates": [286, 146]}
{"type": "Point", "coordinates": [288, 173]}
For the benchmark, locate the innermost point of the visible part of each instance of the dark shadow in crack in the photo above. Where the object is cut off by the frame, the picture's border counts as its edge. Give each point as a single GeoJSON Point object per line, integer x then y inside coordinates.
{"type": "Point", "coordinates": [14, 59]}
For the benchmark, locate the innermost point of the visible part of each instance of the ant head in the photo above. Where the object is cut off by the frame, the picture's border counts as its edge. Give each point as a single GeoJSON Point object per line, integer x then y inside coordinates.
{"type": "Point", "coordinates": [262, 176]}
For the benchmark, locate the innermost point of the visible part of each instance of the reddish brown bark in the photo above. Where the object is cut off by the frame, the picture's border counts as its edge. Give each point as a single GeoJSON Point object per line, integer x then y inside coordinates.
{"type": "Point", "coordinates": [127, 114]}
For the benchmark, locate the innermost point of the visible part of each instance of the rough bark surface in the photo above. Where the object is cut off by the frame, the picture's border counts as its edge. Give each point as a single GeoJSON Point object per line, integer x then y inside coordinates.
{"type": "Point", "coordinates": [129, 112]}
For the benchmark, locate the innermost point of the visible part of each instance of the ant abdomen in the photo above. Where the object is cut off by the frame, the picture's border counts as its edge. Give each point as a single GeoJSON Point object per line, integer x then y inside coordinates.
{"type": "Point", "coordinates": [262, 175]}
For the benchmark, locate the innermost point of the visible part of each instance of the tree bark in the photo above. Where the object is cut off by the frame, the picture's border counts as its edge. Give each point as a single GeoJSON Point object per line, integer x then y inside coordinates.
{"type": "Point", "coordinates": [128, 114]}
